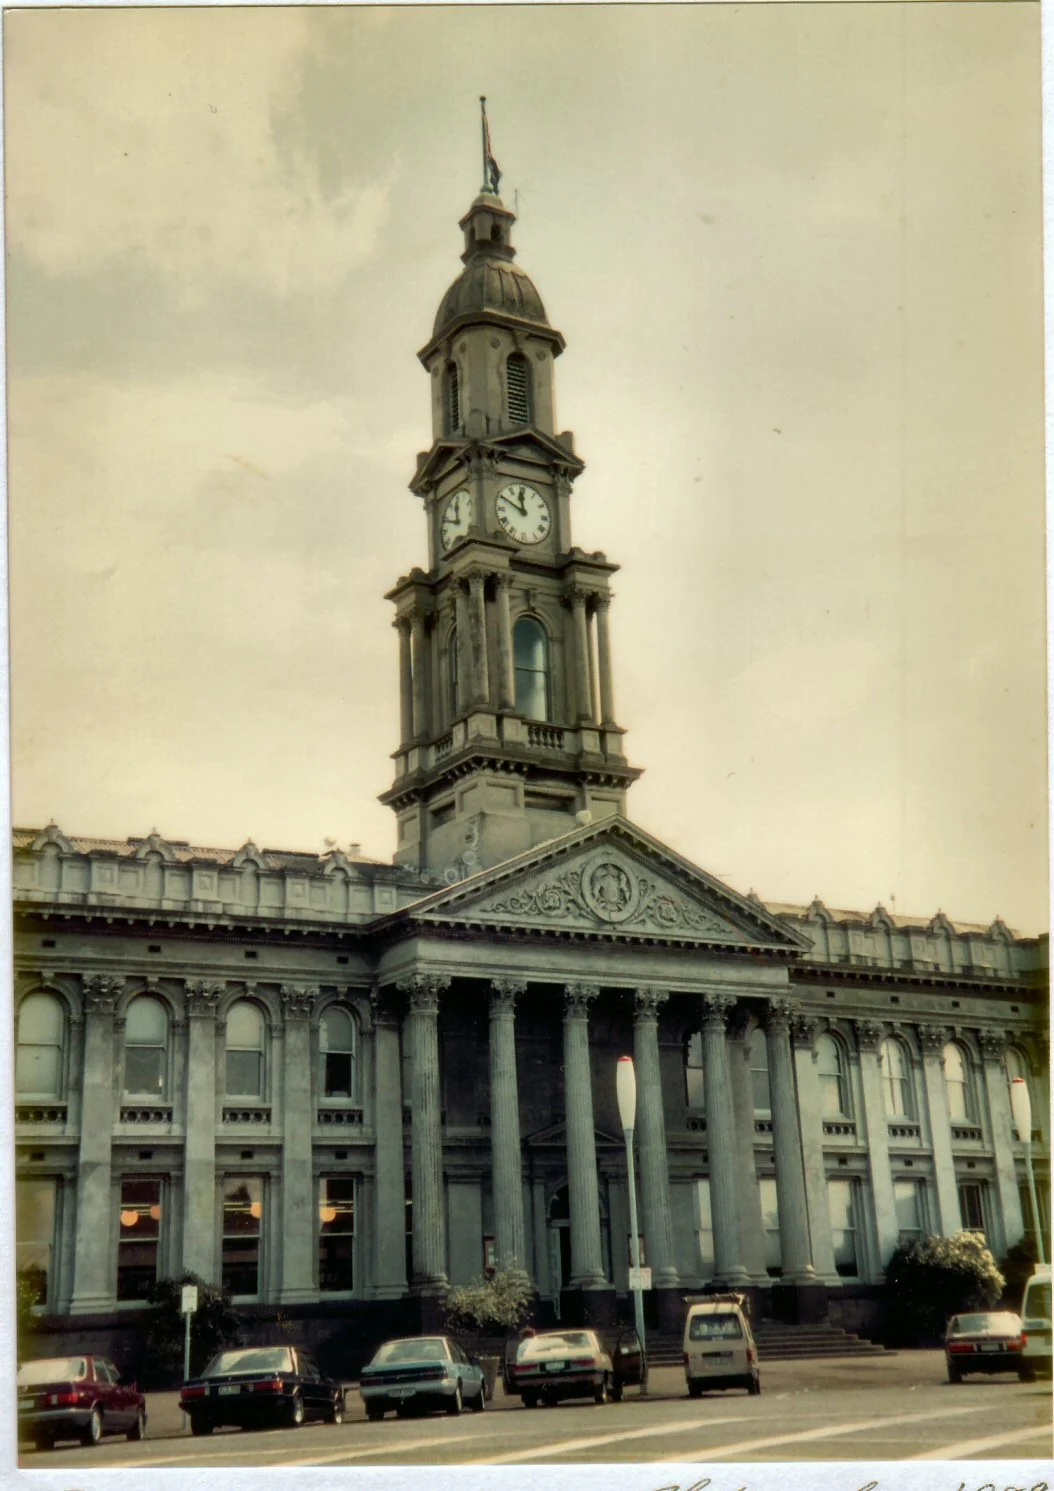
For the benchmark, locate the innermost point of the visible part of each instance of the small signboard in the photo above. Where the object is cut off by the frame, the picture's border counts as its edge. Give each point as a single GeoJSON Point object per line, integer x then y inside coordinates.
{"type": "Point", "coordinates": [640, 1278]}
{"type": "Point", "coordinates": [189, 1299]}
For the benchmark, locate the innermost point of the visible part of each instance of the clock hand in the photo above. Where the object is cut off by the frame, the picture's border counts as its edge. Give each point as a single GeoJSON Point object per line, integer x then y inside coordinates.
{"type": "Point", "coordinates": [522, 504]}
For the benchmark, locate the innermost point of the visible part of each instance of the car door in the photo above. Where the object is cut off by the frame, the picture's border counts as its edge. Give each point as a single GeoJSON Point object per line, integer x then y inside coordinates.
{"type": "Point", "coordinates": [314, 1389]}
{"type": "Point", "coordinates": [114, 1412]}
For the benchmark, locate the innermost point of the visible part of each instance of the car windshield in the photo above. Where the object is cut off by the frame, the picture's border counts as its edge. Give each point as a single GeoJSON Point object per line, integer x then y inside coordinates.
{"type": "Point", "coordinates": [715, 1328]}
{"type": "Point", "coordinates": [988, 1324]}
{"type": "Point", "coordinates": [52, 1369]}
{"type": "Point", "coordinates": [256, 1359]}
{"type": "Point", "coordinates": [556, 1343]}
{"type": "Point", "coordinates": [424, 1350]}
{"type": "Point", "coordinates": [1037, 1302]}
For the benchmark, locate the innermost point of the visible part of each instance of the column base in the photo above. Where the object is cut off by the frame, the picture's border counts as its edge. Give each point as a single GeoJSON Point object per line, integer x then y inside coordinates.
{"type": "Point", "coordinates": [799, 1304]}
{"type": "Point", "coordinates": [92, 1304]}
{"type": "Point", "coordinates": [589, 1307]}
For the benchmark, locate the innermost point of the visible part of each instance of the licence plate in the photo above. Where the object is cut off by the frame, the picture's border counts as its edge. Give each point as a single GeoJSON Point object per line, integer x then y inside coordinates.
{"type": "Point", "coordinates": [402, 1392]}
{"type": "Point", "coordinates": [716, 1356]}
{"type": "Point", "coordinates": [990, 1346]}
{"type": "Point", "coordinates": [228, 1388]}
{"type": "Point", "coordinates": [554, 1366]}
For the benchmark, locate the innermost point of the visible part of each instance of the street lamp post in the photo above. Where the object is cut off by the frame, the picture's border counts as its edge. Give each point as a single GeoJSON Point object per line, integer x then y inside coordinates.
{"type": "Point", "coordinates": [626, 1090]}
{"type": "Point", "coordinates": [1021, 1106]}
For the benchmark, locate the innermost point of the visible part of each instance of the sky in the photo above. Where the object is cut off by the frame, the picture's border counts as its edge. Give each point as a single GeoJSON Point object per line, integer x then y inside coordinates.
{"type": "Point", "coordinates": [795, 252]}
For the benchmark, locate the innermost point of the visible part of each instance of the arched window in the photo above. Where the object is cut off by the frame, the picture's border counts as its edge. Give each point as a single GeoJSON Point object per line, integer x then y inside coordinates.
{"type": "Point", "coordinates": [146, 1048]}
{"type": "Point", "coordinates": [245, 1051]}
{"type": "Point", "coordinates": [452, 399]}
{"type": "Point", "coordinates": [758, 1061]}
{"type": "Point", "coordinates": [518, 382]}
{"type": "Point", "coordinates": [530, 648]}
{"type": "Point", "coordinates": [830, 1068]}
{"type": "Point", "coordinates": [41, 1034]}
{"type": "Point", "coordinates": [896, 1079]}
{"type": "Point", "coordinates": [336, 1049]}
{"type": "Point", "coordinates": [957, 1084]}
{"type": "Point", "coordinates": [693, 1072]}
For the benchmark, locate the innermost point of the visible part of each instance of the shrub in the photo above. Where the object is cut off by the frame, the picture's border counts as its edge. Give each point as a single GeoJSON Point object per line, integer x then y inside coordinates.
{"type": "Point", "coordinates": [490, 1306]}
{"type": "Point", "coordinates": [214, 1325]}
{"type": "Point", "coordinates": [1017, 1268]}
{"type": "Point", "coordinates": [935, 1277]}
{"type": "Point", "coordinates": [30, 1290]}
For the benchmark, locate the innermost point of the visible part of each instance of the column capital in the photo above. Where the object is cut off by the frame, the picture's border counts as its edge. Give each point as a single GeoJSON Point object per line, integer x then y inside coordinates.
{"type": "Point", "coordinates": [577, 596]}
{"type": "Point", "coordinates": [932, 1038]}
{"type": "Point", "coordinates": [476, 579]}
{"type": "Point", "coordinates": [503, 579]}
{"type": "Point", "coordinates": [780, 1012]}
{"type": "Point", "coordinates": [869, 1034]}
{"type": "Point", "coordinates": [402, 624]}
{"type": "Point", "coordinates": [717, 1008]}
{"type": "Point", "coordinates": [803, 1030]}
{"type": "Point", "coordinates": [601, 599]}
{"type": "Point", "coordinates": [646, 1004]}
{"type": "Point", "coordinates": [101, 992]}
{"type": "Point", "coordinates": [992, 1043]}
{"type": "Point", "coordinates": [298, 1000]}
{"type": "Point", "coordinates": [202, 996]}
{"type": "Point", "coordinates": [577, 999]}
{"type": "Point", "coordinates": [503, 995]}
{"type": "Point", "coordinates": [423, 991]}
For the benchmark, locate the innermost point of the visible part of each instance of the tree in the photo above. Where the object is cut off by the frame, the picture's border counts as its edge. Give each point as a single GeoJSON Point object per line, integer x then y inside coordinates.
{"type": "Point", "coordinates": [935, 1277]}
{"type": "Point", "coordinates": [30, 1290]}
{"type": "Point", "coordinates": [490, 1306]}
{"type": "Point", "coordinates": [214, 1325]}
{"type": "Point", "coordinates": [1017, 1268]}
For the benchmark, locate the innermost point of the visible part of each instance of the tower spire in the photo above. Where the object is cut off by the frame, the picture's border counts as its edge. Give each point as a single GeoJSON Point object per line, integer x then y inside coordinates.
{"type": "Point", "coordinates": [491, 171]}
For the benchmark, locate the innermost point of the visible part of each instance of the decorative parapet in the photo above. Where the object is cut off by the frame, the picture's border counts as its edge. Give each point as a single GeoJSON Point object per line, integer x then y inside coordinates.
{"type": "Point", "coordinates": [339, 1117]}
{"type": "Point", "coordinates": [34, 1113]}
{"type": "Point", "coordinates": [146, 1113]}
{"type": "Point", "coordinates": [255, 1117]}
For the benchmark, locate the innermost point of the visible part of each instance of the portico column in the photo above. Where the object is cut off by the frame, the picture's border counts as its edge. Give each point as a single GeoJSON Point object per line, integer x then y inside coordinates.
{"type": "Point", "coordinates": [795, 1245]}
{"type": "Point", "coordinates": [426, 1138]}
{"type": "Point", "coordinates": [506, 1161]}
{"type": "Point", "coordinates": [869, 1035]}
{"type": "Point", "coordinates": [583, 689]}
{"type": "Point", "coordinates": [587, 1267]}
{"type": "Point", "coordinates": [607, 689]}
{"type": "Point", "coordinates": [803, 1034]}
{"type": "Point", "coordinates": [933, 1039]}
{"type": "Point", "coordinates": [406, 717]}
{"type": "Point", "coordinates": [299, 1204]}
{"type": "Point", "coordinates": [478, 632]}
{"type": "Point", "coordinates": [651, 1139]}
{"type": "Point", "coordinates": [1004, 1134]}
{"type": "Point", "coordinates": [199, 1158]}
{"type": "Point", "coordinates": [389, 1185]}
{"type": "Point", "coordinates": [748, 1192]}
{"type": "Point", "coordinates": [463, 645]}
{"type": "Point", "coordinates": [506, 660]}
{"type": "Point", "coordinates": [94, 1274]}
{"type": "Point", "coordinates": [417, 650]}
{"type": "Point", "coordinates": [721, 1140]}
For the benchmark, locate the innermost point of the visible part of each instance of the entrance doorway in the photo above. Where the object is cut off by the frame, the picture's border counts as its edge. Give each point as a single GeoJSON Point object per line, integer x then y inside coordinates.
{"type": "Point", "coordinates": [559, 1224]}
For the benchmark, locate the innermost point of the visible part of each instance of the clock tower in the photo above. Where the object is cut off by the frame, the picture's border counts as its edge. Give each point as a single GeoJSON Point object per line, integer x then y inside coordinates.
{"type": "Point", "coordinates": [508, 732]}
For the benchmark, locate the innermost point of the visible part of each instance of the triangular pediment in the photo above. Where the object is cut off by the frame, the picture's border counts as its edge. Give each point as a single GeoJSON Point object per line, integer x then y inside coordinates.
{"type": "Point", "coordinates": [555, 1135]}
{"type": "Point", "coordinates": [612, 881]}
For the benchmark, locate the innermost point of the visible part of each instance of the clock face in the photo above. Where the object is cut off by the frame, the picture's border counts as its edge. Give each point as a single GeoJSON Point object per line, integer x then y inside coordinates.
{"type": "Point", "coordinates": [457, 519]}
{"type": "Point", "coordinates": [523, 513]}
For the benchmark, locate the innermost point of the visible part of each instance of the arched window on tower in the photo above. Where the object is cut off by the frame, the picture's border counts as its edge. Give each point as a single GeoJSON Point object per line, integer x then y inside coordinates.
{"type": "Point", "coordinates": [518, 383]}
{"type": "Point", "coordinates": [530, 648]}
{"type": "Point", "coordinates": [452, 399]}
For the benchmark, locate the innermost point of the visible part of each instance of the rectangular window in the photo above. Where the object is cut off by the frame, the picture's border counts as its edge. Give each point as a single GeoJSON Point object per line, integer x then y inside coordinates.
{"type": "Point", "coordinates": [693, 1074]}
{"type": "Point", "coordinates": [139, 1236]}
{"type": "Point", "coordinates": [242, 1228]}
{"type": "Point", "coordinates": [909, 1202]}
{"type": "Point", "coordinates": [706, 1229]}
{"type": "Point", "coordinates": [770, 1221]}
{"type": "Point", "coordinates": [35, 1233]}
{"type": "Point", "coordinates": [336, 1233]}
{"type": "Point", "coordinates": [971, 1205]}
{"type": "Point", "coordinates": [842, 1204]}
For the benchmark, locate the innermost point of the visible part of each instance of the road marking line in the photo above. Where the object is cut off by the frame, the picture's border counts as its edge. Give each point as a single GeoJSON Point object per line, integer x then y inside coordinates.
{"type": "Point", "coordinates": [537, 1451]}
{"type": "Point", "coordinates": [391, 1449]}
{"type": "Point", "coordinates": [804, 1436]}
{"type": "Point", "coordinates": [409, 1444]}
{"type": "Point", "coordinates": [979, 1446]}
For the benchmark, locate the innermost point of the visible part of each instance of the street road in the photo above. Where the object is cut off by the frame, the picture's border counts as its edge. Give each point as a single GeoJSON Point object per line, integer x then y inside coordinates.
{"type": "Point", "coordinates": [892, 1407]}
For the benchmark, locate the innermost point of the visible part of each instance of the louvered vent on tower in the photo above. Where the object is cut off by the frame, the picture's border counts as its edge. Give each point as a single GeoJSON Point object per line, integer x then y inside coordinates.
{"type": "Point", "coordinates": [518, 378]}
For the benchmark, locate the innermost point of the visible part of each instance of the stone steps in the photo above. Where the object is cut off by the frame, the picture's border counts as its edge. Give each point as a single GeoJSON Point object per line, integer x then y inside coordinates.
{"type": "Point", "coordinates": [776, 1342]}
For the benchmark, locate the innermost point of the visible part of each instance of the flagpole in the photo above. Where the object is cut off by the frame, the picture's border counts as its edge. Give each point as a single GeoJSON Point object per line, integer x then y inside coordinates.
{"type": "Point", "coordinates": [483, 127]}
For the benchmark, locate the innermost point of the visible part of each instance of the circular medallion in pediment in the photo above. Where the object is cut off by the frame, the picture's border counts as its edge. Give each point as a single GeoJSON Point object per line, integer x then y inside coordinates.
{"type": "Point", "coordinates": [609, 889]}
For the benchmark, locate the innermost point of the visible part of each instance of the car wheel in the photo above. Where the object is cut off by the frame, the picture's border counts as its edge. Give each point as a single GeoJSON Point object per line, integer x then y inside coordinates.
{"type": "Point", "coordinates": [92, 1432]}
{"type": "Point", "coordinates": [754, 1385]}
{"type": "Point", "coordinates": [43, 1442]}
{"type": "Point", "coordinates": [616, 1392]}
{"type": "Point", "coordinates": [529, 1400]}
{"type": "Point", "coordinates": [954, 1375]}
{"type": "Point", "coordinates": [296, 1411]}
{"type": "Point", "coordinates": [138, 1429]}
{"type": "Point", "coordinates": [603, 1393]}
{"type": "Point", "coordinates": [481, 1402]}
{"type": "Point", "coordinates": [374, 1413]}
{"type": "Point", "coordinates": [199, 1426]}
{"type": "Point", "coordinates": [1026, 1374]}
{"type": "Point", "coordinates": [454, 1406]}
{"type": "Point", "coordinates": [695, 1389]}
{"type": "Point", "coordinates": [335, 1414]}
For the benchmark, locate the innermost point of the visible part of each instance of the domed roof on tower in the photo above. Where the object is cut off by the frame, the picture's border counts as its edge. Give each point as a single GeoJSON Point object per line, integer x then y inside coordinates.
{"type": "Point", "coordinates": [490, 283]}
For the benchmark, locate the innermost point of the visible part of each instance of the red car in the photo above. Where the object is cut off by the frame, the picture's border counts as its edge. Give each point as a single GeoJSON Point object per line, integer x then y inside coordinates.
{"type": "Point", "coordinates": [76, 1397]}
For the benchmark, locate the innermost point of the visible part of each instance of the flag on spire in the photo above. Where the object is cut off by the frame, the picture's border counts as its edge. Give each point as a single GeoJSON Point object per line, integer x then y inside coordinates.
{"type": "Point", "coordinates": [491, 171]}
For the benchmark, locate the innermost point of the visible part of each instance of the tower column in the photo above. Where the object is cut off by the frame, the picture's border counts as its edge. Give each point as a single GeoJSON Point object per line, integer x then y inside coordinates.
{"type": "Point", "coordinates": [299, 1207]}
{"type": "Point", "coordinates": [506, 660]}
{"type": "Point", "coordinates": [480, 688]}
{"type": "Point", "coordinates": [465, 687]}
{"type": "Point", "coordinates": [93, 1272]}
{"type": "Point", "coordinates": [583, 683]}
{"type": "Point", "coordinates": [587, 1267]}
{"type": "Point", "coordinates": [506, 1161]}
{"type": "Point", "coordinates": [199, 1160]}
{"type": "Point", "coordinates": [426, 1137]}
{"type": "Point", "coordinates": [417, 672]}
{"type": "Point", "coordinates": [721, 1141]}
{"type": "Point", "coordinates": [607, 691]}
{"type": "Point", "coordinates": [406, 702]}
{"type": "Point", "coordinates": [786, 1145]}
{"type": "Point", "coordinates": [651, 1138]}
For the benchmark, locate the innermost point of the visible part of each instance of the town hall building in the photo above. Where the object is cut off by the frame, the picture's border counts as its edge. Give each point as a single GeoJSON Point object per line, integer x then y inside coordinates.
{"type": "Point", "coordinates": [338, 1086]}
